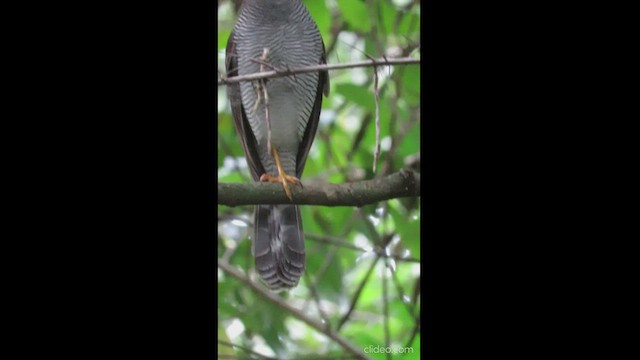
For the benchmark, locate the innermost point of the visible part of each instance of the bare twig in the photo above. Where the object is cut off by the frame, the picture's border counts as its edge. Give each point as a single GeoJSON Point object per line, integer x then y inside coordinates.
{"type": "Point", "coordinates": [356, 295]}
{"type": "Point", "coordinates": [401, 295]}
{"type": "Point", "coordinates": [414, 332]}
{"type": "Point", "coordinates": [382, 243]}
{"type": "Point", "coordinates": [336, 29]}
{"type": "Point", "coordinates": [385, 306]}
{"type": "Point", "coordinates": [261, 92]}
{"type": "Point", "coordinates": [314, 68]}
{"type": "Point", "coordinates": [416, 294]}
{"type": "Point", "coordinates": [396, 140]}
{"type": "Point", "coordinates": [241, 347]}
{"type": "Point", "coordinates": [333, 250]}
{"type": "Point", "coordinates": [374, 12]}
{"type": "Point", "coordinates": [405, 183]}
{"type": "Point", "coordinates": [316, 298]}
{"type": "Point", "coordinates": [300, 315]}
{"type": "Point", "coordinates": [344, 244]}
{"type": "Point", "coordinates": [376, 94]}
{"type": "Point", "coordinates": [359, 135]}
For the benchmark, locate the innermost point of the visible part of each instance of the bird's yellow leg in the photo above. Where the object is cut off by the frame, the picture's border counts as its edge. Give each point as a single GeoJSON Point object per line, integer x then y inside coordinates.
{"type": "Point", "coordinates": [282, 176]}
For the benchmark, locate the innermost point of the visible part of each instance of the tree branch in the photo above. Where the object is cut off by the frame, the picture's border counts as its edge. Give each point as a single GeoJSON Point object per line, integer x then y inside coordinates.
{"type": "Point", "coordinates": [405, 183]}
{"type": "Point", "coordinates": [272, 297]}
{"type": "Point", "coordinates": [314, 68]}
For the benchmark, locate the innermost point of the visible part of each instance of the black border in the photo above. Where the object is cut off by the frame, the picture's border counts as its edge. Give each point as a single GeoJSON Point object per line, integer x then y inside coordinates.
{"type": "Point", "coordinates": [121, 154]}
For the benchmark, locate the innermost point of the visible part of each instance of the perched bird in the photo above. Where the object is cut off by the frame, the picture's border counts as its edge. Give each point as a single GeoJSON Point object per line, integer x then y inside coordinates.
{"type": "Point", "coordinates": [276, 120]}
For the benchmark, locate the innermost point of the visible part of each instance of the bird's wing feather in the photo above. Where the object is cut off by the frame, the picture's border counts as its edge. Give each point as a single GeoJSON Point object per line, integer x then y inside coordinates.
{"type": "Point", "coordinates": [243, 128]}
{"type": "Point", "coordinates": [312, 125]}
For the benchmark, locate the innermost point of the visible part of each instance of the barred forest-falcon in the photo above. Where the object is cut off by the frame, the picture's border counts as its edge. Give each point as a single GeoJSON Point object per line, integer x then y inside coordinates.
{"type": "Point", "coordinates": [276, 121]}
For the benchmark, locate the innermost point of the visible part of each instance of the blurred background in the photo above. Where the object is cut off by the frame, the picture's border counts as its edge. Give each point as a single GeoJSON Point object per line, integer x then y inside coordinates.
{"type": "Point", "coordinates": [362, 278]}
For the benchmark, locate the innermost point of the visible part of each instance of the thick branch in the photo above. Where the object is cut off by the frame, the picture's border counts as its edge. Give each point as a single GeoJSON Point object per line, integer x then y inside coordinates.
{"type": "Point", "coordinates": [300, 315]}
{"type": "Point", "coordinates": [404, 183]}
{"type": "Point", "coordinates": [308, 69]}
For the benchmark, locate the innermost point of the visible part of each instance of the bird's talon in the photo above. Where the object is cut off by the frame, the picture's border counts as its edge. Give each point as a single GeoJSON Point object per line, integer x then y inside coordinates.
{"type": "Point", "coordinates": [284, 180]}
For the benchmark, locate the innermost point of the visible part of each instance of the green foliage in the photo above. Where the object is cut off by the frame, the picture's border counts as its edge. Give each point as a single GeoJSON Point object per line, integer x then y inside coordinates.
{"type": "Point", "coordinates": [355, 14]}
{"type": "Point", "coordinates": [321, 15]}
{"type": "Point", "coordinates": [343, 151]}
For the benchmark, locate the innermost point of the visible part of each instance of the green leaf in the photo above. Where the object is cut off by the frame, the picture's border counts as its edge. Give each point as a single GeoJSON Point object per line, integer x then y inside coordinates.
{"type": "Point", "coordinates": [408, 229]}
{"type": "Point", "coordinates": [340, 146]}
{"type": "Point", "coordinates": [361, 332]}
{"type": "Point", "coordinates": [415, 345]}
{"type": "Point", "coordinates": [399, 311]}
{"type": "Point", "coordinates": [356, 14]}
{"type": "Point", "coordinates": [233, 177]}
{"type": "Point", "coordinates": [388, 14]}
{"type": "Point", "coordinates": [223, 37]}
{"type": "Point", "coordinates": [410, 145]}
{"type": "Point", "coordinates": [371, 48]}
{"type": "Point", "coordinates": [411, 84]}
{"type": "Point", "coordinates": [320, 13]}
{"type": "Point", "coordinates": [222, 335]}
{"type": "Point", "coordinates": [409, 24]}
{"type": "Point", "coordinates": [357, 94]}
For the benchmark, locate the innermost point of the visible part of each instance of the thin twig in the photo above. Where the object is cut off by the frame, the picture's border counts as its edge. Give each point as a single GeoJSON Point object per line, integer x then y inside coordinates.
{"type": "Point", "coordinates": [356, 295]}
{"type": "Point", "coordinates": [344, 244]}
{"type": "Point", "coordinates": [385, 306]}
{"type": "Point", "coordinates": [382, 243]}
{"type": "Point", "coordinates": [333, 250]}
{"type": "Point", "coordinates": [414, 332]}
{"type": "Point", "coordinates": [401, 295]}
{"type": "Point", "coordinates": [241, 347]}
{"type": "Point", "coordinates": [316, 298]}
{"type": "Point", "coordinates": [364, 281]}
{"type": "Point", "coordinates": [416, 294]}
{"type": "Point", "coordinates": [396, 141]}
{"type": "Point", "coordinates": [375, 13]}
{"type": "Point", "coordinates": [262, 84]}
{"type": "Point", "coordinates": [263, 63]}
{"type": "Point", "coordinates": [336, 29]}
{"type": "Point", "coordinates": [315, 68]}
{"type": "Point", "coordinates": [376, 94]}
{"type": "Point", "coordinates": [300, 315]}
{"type": "Point", "coordinates": [357, 140]}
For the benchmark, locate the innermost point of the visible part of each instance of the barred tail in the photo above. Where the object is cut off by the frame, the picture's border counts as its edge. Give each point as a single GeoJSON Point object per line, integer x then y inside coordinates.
{"type": "Point", "coordinates": [278, 245]}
